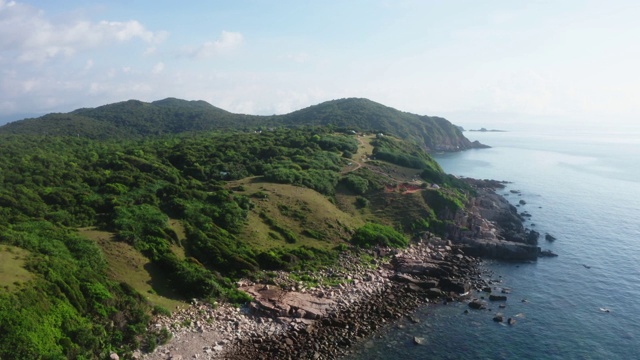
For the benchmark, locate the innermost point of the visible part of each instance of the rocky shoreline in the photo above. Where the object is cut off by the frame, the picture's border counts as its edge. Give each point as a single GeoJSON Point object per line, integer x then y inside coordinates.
{"type": "Point", "coordinates": [303, 320]}
{"type": "Point", "coordinates": [290, 321]}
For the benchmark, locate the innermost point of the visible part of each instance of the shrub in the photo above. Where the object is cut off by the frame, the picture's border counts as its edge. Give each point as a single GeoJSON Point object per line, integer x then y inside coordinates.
{"type": "Point", "coordinates": [356, 183]}
{"type": "Point", "coordinates": [313, 234]}
{"type": "Point", "coordinates": [362, 202]}
{"type": "Point", "coordinates": [372, 234]}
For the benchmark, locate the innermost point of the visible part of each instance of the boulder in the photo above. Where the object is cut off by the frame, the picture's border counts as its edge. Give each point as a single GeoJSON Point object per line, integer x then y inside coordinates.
{"type": "Point", "coordinates": [549, 237]}
{"type": "Point", "coordinates": [498, 318]}
{"type": "Point", "coordinates": [455, 285]}
{"type": "Point", "coordinates": [493, 297]}
{"type": "Point", "coordinates": [511, 321]}
{"type": "Point", "coordinates": [418, 340]}
{"type": "Point", "coordinates": [434, 293]}
{"type": "Point", "coordinates": [477, 304]}
{"type": "Point", "coordinates": [547, 253]}
{"type": "Point", "coordinates": [417, 267]}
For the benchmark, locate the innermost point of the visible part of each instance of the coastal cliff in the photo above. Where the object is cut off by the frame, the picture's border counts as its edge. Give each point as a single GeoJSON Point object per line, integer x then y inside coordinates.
{"type": "Point", "coordinates": [491, 227]}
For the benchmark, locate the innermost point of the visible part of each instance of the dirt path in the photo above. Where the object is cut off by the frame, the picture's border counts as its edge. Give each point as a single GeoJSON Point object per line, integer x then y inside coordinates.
{"type": "Point", "coordinates": [361, 153]}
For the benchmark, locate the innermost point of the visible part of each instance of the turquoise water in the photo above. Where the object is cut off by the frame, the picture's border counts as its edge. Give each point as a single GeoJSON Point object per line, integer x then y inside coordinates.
{"type": "Point", "coordinates": [583, 188]}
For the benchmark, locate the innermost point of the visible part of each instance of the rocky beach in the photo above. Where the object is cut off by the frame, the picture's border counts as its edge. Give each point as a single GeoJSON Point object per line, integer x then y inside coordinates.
{"type": "Point", "coordinates": [291, 319]}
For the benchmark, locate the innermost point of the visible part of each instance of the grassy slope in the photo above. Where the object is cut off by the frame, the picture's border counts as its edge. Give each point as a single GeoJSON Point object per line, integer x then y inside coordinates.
{"type": "Point", "coordinates": [176, 226]}
{"type": "Point", "coordinates": [296, 209]}
{"type": "Point", "coordinates": [12, 271]}
{"type": "Point", "coordinates": [127, 265]}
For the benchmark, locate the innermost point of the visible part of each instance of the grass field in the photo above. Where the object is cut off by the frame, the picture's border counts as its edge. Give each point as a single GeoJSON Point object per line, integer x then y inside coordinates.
{"type": "Point", "coordinates": [127, 265]}
{"type": "Point", "coordinates": [12, 271]}
{"type": "Point", "coordinates": [300, 210]}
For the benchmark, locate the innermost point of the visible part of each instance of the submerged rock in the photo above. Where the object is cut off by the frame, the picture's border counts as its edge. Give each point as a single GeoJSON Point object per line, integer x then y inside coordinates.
{"type": "Point", "coordinates": [418, 340]}
{"type": "Point", "coordinates": [477, 304]}
{"type": "Point", "coordinates": [547, 253]}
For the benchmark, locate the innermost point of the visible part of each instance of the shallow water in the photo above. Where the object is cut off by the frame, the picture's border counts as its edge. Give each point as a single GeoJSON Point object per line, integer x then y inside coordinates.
{"type": "Point", "coordinates": [584, 189]}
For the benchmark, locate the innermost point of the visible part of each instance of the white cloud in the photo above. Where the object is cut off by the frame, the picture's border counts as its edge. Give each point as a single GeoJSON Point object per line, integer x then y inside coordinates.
{"type": "Point", "coordinates": [33, 37]}
{"type": "Point", "coordinates": [300, 58]}
{"type": "Point", "coordinates": [158, 68]}
{"type": "Point", "coordinates": [228, 40]}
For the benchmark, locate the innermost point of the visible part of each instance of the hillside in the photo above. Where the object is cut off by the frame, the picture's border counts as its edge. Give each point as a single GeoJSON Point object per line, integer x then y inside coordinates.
{"type": "Point", "coordinates": [100, 234]}
{"type": "Point", "coordinates": [134, 119]}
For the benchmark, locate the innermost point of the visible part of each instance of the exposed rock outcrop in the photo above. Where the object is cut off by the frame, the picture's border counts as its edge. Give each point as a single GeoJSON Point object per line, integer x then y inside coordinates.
{"type": "Point", "coordinates": [343, 315]}
{"type": "Point", "coordinates": [491, 227]}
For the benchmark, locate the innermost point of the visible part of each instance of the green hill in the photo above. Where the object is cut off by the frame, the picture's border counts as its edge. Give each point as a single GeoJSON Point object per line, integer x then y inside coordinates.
{"type": "Point", "coordinates": [130, 119]}
{"type": "Point", "coordinates": [113, 214]}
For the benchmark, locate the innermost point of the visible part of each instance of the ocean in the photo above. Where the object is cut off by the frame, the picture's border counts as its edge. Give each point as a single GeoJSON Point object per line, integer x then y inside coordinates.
{"type": "Point", "coordinates": [582, 187]}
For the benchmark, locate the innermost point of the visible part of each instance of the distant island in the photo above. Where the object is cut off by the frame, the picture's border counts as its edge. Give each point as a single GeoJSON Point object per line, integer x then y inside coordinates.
{"type": "Point", "coordinates": [487, 130]}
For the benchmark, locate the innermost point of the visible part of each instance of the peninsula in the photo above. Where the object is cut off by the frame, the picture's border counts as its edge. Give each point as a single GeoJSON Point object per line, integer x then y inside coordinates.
{"type": "Point", "coordinates": [140, 224]}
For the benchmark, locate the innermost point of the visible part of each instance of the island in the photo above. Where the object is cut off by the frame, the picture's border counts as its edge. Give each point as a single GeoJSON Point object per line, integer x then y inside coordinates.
{"type": "Point", "coordinates": [486, 130]}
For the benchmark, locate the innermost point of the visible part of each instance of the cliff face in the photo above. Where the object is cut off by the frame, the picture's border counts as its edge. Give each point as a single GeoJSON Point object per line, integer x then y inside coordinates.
{"type": "Point", "coordinates": [491, 227]}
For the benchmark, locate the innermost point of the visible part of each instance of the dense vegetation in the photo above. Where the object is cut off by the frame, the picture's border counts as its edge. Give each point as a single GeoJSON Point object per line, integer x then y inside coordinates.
{"type": "Point", "coordinates": [131, 187]}
{"type": "Point", "coordinates": [171, 116]}
{"type": "Point", "coordinates": [372, 234]}
{"type": "Point", "coordinates": [51, 185]}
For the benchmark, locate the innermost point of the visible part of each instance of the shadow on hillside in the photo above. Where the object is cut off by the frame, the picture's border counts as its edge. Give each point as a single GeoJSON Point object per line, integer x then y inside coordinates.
{"type": "Point", "coordinates": [159, 283]}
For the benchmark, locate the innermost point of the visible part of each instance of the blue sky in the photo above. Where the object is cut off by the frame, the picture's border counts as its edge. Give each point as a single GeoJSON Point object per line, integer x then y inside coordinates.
{"type": "Point", "coordinates": [473, 62]}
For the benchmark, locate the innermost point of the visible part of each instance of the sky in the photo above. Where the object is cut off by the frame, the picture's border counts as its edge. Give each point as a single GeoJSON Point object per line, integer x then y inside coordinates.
{"type": "Point", "coordinates": [476, 63]}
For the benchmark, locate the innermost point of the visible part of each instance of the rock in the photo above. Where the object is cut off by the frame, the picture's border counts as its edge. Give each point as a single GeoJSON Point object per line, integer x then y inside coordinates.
{"type": "Point", "coordinates": [434, 293]}
{"type": "Point", "coordinates": [498, 318]}
{"type": "Point", "coordinates": [114, 356]}
{"type": "Point", "coordinates": [532, 237]}
{"type": "Point", "coordinates": [477, 304]}
{"type": "Point", "coordinates": [522, 202]}
{"type": "Point", "coordinates": [547, 253]}
{"type": "Point", "coordinates": [457, 286]}
{"type": "Point", "coordinates": [418, 340]}
{"type": "Point", "coordinates": [549, 237]}
{"type": "Point", "coordinates": [511, 321]}
{"type": "Point", "coordinates": [493, 297]}
{"type": "Point", "coordinates": [407, 265]}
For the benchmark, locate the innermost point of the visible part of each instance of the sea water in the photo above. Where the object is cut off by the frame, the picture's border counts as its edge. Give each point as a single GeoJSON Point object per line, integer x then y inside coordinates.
{"type": "Point", "coordinates": [582, 187]}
